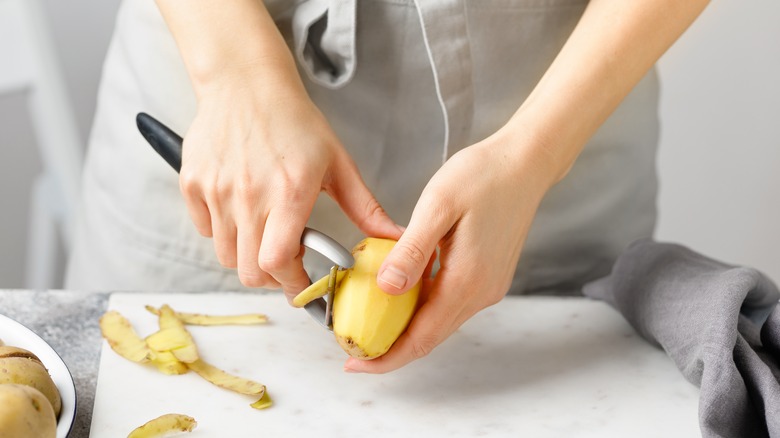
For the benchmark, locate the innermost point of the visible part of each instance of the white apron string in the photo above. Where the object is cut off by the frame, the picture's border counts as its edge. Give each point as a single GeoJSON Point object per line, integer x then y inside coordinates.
{"type": "Point", "coordinates": [445, 33]}
{"type": "Point", "coordinates": [324, 36]}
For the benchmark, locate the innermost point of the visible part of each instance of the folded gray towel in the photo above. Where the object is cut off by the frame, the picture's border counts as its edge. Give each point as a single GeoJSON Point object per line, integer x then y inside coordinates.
{"type": "Point", "coordinates": [719, 324]}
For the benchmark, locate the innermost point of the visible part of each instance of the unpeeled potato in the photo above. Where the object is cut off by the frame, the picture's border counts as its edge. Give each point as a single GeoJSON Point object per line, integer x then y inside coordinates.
{"type": "Point", "coordinates": [25, 413]}
{"type": "Point", "coordinates": [20, 366]}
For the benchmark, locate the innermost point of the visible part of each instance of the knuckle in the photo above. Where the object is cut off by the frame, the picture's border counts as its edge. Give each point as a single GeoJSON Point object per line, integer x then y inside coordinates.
{"type": "Point", "coordinates": [440, 202]}
{"type": "Point", "coordinates": [372, 210]}
{"type": "Point", "coordinates": [276, 260]}
{"type": "Point", "coordinates": [222, 188]}
{"type": "Point", "coordinates": [247, 188]}
{"type": "Point", "coordinates": [293, 190]}
{"type": "Point", "coordinates": [252, 278]}
{"type": "Point", "coordinates": [189, 183]}
{"type": "Point", "coordinates": [226, 256]}
{"type": "Point", "coordinates": [412, 252]}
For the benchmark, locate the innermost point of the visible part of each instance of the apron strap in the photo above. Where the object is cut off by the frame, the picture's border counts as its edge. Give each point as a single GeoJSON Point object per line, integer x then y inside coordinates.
{"type": "Point", "coordinates": [445, 33]}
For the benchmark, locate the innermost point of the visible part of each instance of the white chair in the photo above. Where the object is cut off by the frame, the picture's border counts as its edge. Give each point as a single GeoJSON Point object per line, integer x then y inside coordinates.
{"type": "Point", "coordinates": [28, 64]}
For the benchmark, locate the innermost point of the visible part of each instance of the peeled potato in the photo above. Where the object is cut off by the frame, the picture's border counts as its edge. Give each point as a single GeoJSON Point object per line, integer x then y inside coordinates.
{"type": "Point", "coordinates": [20, 366]}
{"type": "Point", "coordinates": [25, 413]}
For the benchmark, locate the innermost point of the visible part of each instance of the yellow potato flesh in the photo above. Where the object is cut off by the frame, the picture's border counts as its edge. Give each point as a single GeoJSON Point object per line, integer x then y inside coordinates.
{"type": "Point", "coordinates": [264, 402]}
{"type": "Point", "coordinates": [366, 320]}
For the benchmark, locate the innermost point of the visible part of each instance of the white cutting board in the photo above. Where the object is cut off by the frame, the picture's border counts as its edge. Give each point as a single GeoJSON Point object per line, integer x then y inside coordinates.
{"type": "Point", "coordinates": [539, 367]}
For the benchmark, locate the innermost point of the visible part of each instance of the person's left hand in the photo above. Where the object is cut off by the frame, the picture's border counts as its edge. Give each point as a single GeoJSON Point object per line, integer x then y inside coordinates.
{"type": "Point", "coordinates": [477, 209]}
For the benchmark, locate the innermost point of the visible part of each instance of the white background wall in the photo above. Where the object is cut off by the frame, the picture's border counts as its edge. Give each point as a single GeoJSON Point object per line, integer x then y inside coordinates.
{"type": "Point", "coordinates": [720, 144]}
{"type": "Point", "coordinates": [720, 151]}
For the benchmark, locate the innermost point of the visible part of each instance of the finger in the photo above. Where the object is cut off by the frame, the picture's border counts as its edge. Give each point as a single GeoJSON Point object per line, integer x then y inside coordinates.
{"type": "Point", "coordinates": [196, 206]}
{"type": "Point", "coordinates": [410, 257]}
{"type": "Point", "coordinates": [248, 247]}
{"type": "Point", "coordinates": [281, 253]}
{"type": "Point", "coordinates": [434, 321]}
{"type": "Point", "coordinates": [349, 190]}
{"type": "Point", "coordinates": [223, 228]}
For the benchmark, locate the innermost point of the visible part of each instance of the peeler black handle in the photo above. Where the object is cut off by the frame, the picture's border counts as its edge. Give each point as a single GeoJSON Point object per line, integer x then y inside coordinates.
{"type": "Point", "coordinates": [166, 142]}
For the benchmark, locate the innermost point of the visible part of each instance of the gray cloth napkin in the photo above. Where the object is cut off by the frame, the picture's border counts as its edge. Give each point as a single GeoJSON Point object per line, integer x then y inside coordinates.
{"type": "Point", "coordinates": [718, 323]}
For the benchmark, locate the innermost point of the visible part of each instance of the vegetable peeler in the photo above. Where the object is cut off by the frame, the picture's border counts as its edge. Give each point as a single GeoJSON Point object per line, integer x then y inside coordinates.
{"type": "Point", "coordinates": [169, 145]}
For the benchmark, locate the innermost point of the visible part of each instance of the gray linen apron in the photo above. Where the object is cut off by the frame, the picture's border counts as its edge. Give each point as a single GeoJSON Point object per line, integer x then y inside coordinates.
{"type": "Point", "coordinates": [405, 84]}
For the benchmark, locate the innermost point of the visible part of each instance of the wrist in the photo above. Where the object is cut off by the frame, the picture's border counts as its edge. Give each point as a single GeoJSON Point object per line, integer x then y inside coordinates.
{"type": "Point", "coordinates": [536, 152]}
{"type": "Point", "coordinates": [235, 71]}
{"type": "Point", "coordinates": [227, 42]}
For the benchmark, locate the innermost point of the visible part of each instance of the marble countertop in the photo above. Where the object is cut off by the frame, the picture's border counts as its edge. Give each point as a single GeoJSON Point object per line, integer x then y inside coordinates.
{"type": "Point", "coordinates": [579, 371]}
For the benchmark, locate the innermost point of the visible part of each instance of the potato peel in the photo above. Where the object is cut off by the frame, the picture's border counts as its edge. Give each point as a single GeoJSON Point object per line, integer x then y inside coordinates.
{"type": "Point", "coordinates": [164, 426]}
{"type": "Point", "coordinates": [209, 320]}
{"type": "Point", "coordinates": [264, 402]}
{"type": "Point", "coordinates": [226, 380]}
{"type": "Point", "coordinates": [172, 351]}
{"type": "Point", "coordinates": [316, 290]}
{"type": "Point", "coordinates": [123, 339]}
{"type": "Point", "coordinates": [173, 337]}
{"type": "Point", "coordinates": [167, 363]}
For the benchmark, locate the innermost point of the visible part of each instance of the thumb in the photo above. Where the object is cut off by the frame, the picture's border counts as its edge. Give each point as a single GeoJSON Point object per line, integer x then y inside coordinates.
{"type": "Point", "coordinates": [410, 257]}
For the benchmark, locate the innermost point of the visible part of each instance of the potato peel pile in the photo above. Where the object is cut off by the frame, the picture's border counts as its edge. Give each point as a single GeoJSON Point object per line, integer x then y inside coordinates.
{"type": "Point", "coordinates": [172, 351]}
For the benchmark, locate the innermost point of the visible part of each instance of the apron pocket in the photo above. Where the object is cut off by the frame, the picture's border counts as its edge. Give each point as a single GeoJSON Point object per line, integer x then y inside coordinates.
{"type": "Point", "coordinates": [324, 38]}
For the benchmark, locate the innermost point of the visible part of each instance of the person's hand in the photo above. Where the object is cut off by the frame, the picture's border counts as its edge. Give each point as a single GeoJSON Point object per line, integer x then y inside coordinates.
{"type": "Point", "coordinates": [477, 209]}
{"type": "Point", "coordinates": [258, 151]}
{"type": "Point", "coordinates": [255, 158]}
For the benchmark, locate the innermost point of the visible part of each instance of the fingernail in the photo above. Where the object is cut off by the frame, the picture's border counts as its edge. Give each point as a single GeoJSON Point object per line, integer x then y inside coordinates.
{"type": "Point", "coordinates": [350, 370]}
{"type": "Point", "coordinates": [393, 277]}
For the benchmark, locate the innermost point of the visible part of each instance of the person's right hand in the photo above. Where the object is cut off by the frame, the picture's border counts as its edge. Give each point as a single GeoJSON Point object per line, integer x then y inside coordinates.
{"type": "Point", "coordinates": [255, 158]}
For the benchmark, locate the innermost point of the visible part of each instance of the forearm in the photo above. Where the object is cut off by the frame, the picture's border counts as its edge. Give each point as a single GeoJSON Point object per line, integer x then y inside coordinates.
{"type": "Point", "coordinates": [223, 40]}
{"type": "Point", "coordinates": [613, 46]}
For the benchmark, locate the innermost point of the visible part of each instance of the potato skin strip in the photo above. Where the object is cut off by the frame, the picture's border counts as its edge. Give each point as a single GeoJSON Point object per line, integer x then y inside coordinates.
{"type": "Point", "coordinates": [123, 339]}
{"type": "Point", "coordinates": [164, 426]}
{"type": "Point", "coordinates": [173, 337]}
{"type": "Point", "coordinates": [225, 380]}
{"type": "Point", "coordinates": [208, 320]}
{"type": "Point", "coordinates": [172, 351]}
{"type": "Point", "coordinates": [316, 290]}
{"type": "Point", "coordinates": [264, 402]}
